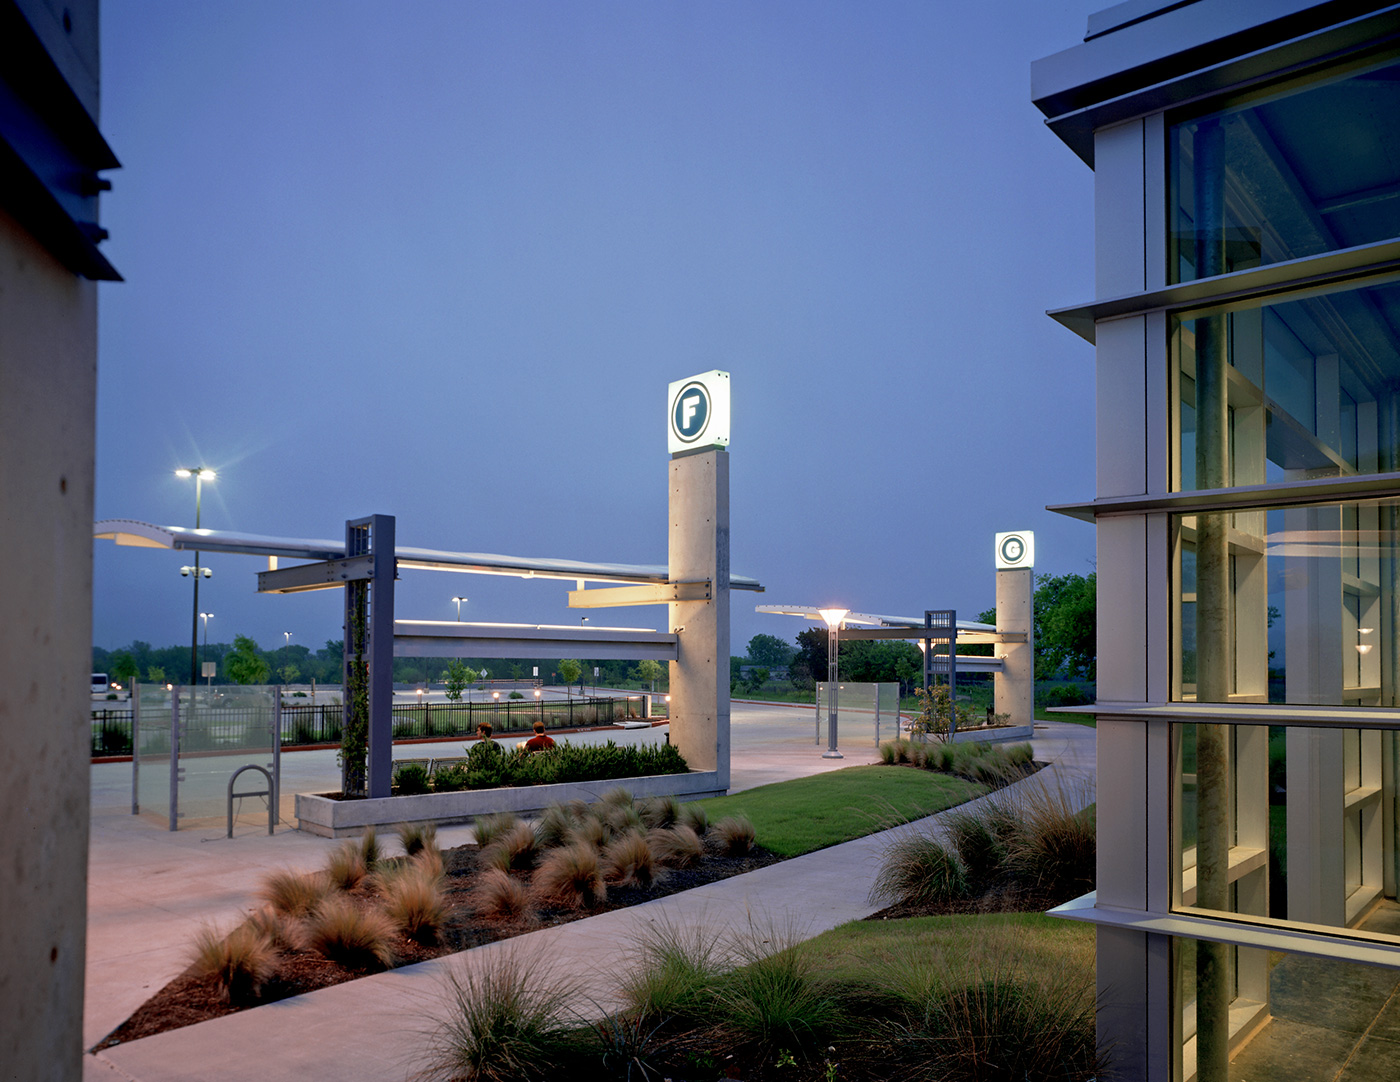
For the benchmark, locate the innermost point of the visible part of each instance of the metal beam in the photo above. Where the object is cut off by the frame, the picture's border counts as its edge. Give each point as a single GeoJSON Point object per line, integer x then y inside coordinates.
{"type": "Point", "coordinates": [621, 596]}
{"type": "Point", "coordinates": [914, 634]}
{"type": "Point", "coordinates": [326, 575]}
{"type": "Point", "coordinates": [434, 638]}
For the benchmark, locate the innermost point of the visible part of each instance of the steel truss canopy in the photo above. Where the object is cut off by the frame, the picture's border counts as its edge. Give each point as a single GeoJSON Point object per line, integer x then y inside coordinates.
{"type": "Point", "coordinates": [146, 535]}
{"type": "Point", "coordinates": [898, 627]}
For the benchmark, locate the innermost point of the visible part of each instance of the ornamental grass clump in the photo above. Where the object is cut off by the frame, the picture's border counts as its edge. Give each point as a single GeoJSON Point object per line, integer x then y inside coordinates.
{"type": "Point", "coordinates": [981, 851]}
{"type": "Point", "coordinates": [414, 901]}
{"type": "Point", "coordinates": [415, 837]}
{"type": "Point", "coordinates": [487, 828]}
{"type": "Point", "coordinates": [241, 961]}
{"type": "Point", "coordinates": [629, 861]}
{"type": "Point", "coordinates": [356, 938]}
{"type": "Point", "coordinates": [733, 836]}
{"type": "Point", "coordinates": [917, 870]}
{"type": "Point", "coordinates": [678, 847]}
{"type": "Point", "coordinates": [777, 994]}
{"type": "Point", "coordinates": [671, 971]}
{"type": "Point", "coordinates": [294, 893]}
{"type": "Point", "coordinates": [505, 1017]}
{"type": "Point", "coordinates": [1055, 848]}
{"type": "Point", "coordinates": [513, 848]}
{"type": "Point", "coordinates": [554, 826]}
{"type": "Point", "coordinates": [693, 815]}
{"type": "Point", "coordinates": [498, 895]}
{"type": "Point", "coordinates": [346, 868]}
{"type": "Point", "coordinates": [659, 811]}
{"type": "Point", "coordinates": [570, 877]}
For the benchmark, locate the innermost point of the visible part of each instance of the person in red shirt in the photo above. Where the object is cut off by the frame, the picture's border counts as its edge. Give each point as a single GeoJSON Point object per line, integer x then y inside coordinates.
{"type": "Point", "coordinates": [539, 742]}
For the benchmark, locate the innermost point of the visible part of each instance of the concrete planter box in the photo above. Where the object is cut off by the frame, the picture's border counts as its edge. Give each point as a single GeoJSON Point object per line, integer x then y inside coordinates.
{"type": "Point", "coordinates": [995, 734]}
{"type": "Point", "coordinates": [348, 818]}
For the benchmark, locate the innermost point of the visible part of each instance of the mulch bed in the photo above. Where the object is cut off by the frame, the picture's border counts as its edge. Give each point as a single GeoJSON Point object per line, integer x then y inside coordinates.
{"type": "Point", "coordinates": [189, 999]}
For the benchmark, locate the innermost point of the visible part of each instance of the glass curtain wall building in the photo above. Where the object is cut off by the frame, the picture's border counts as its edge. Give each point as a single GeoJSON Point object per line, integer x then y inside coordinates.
{"type": "Point", "coordinates": [1246, 161]}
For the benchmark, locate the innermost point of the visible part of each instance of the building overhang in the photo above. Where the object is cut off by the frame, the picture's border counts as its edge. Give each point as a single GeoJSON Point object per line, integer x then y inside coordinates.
{"type": "Point", "coordinates": [443, 638]}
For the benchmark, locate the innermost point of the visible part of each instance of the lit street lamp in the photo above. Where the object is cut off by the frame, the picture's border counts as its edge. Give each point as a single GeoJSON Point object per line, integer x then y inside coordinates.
{"type": "Point", "coordinates": [833, 618]}
{"type": "Point", "coordinates": [206, 617]}
{"type": "Point", "coordinates": [459, 601]}
{"type": "Point", "coordinates": [200, 475]}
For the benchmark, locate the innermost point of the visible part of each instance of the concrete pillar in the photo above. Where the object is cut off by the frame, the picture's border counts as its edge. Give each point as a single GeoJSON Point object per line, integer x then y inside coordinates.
{"type": "Point", "coordinates": [699, 551]}
{"type": "Point", "coordinates": [48, 396]}
{"type": "Point", "coordinates": [1014, 686]}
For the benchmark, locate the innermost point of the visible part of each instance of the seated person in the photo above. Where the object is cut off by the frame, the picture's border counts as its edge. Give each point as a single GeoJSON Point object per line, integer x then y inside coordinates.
{"type": "Point", "coordinates": [539, 742]}
{"type": "Point", "coordinates": [483, 731]}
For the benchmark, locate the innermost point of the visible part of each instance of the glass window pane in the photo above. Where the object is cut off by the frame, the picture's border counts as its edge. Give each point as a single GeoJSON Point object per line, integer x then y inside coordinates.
{"type": "Point", "coordinates": [1288, 825]}
{"type": "Point", "coordinates": [1307, 170]}
{"type": "Point", "coordinates": [1298, 388]}
{"type": "Point", "coordinates": [1287, 605]}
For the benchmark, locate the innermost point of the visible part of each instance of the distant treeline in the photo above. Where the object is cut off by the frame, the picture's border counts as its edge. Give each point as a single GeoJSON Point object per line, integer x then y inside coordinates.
{"type": "Point", "coordinates": [296, 664]}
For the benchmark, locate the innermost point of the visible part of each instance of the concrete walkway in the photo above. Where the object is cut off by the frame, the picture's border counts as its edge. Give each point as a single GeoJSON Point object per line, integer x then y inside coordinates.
{"type": "Point", "coordinates": [149, 890]}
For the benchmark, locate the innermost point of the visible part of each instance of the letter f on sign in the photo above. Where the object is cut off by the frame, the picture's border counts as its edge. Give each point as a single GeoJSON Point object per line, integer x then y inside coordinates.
{"type": "Point", "coordinates": [689, 408]}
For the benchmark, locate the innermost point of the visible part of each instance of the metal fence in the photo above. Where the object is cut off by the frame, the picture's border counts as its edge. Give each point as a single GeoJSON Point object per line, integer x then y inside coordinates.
{"type": "Point", "coordinates": [220, 726]}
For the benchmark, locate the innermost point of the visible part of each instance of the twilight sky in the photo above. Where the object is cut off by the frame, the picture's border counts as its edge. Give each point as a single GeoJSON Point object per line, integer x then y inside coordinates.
{"type": "Point", "coordinates": [441, 260]}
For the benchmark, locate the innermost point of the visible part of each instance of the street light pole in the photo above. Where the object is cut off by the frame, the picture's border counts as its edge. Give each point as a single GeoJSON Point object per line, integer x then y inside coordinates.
{"type": "Point", "coordinates": [459, 601]}
{"type": "Point", "coordinates": [205, 616]}
{"type": "Point", "coordinates": [200, 475]}
{"type": "Point", "coordinates": [833, 618]}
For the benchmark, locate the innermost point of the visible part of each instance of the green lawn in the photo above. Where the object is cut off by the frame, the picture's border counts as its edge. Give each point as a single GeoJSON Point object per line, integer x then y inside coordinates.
{"type": "Point", "coordinates": [862, 949]}
{"type": "Point", "coordinates": [798, 816]}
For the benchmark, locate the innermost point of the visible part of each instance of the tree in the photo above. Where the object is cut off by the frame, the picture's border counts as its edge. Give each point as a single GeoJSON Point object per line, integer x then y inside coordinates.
{"type": "Point", "coordinates": [1066, 628]}
{"type": "Point", "coordinates": [457, 677]}
{"type": "Point", "coordinates": [155, 674]}
{"type": "Point", "coordinates": [245, 663]}
{"type": "Point", "coordinates": [649, 671]}
{"type": "Point", "coordinates": [771, 652]}
{"type": "Point", "coordinates": [570, 670]}
{"type": "Point", "coordinates": [758, 676]}
{"type": "Point", "coordinates": [123, 667]}
{"type": "Point", "coordinates": [288, 673]}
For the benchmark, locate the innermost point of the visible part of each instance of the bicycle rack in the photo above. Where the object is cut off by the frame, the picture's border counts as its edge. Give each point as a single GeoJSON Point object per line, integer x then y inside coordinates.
{"type": "Point", "coordinates": [271, 803]}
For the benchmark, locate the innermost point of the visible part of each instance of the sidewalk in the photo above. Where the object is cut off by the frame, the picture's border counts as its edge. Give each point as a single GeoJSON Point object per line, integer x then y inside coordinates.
{"type": "Point", "coordinates": [150, 889]}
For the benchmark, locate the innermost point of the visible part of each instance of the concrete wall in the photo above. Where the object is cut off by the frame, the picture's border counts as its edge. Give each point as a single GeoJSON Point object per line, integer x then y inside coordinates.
{"type": "Point", "coordinates": [48, 392]}
{"type": "Point", "coordinates": [698, 550]}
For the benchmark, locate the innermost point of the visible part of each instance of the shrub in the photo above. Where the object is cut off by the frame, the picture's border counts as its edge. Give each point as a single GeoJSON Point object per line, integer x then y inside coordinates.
{"type": "Point", "coordinates": [415, 837]}
{"type": "Point", "coordinates": [293, 893]}
{"type": "Point", "coordinates": [346, 868]}
{"type": "Point", "coordinates": [241, 961]}
{"type": "Point", "coordinates": [515, 695]}
{"type": "Point", "coordinates": [628, 859]}
{"type": "Point", "coordinates": [354, 937]}
{"type": "Point", "coordinates": [1069, 695]}
{"type": "Point", "coordinates": [505, 1018]}
{"type": "Point", "coordinates": [592, 832]}
{"type": "Point", "coordinates": [487, 828]}
{"type": "Point", "coordinates": [499, 896]}
{"type": "Point", "coordinates": [277, 928]}
{"type": "Point", "coordinates": [411, 779]}
{"type": "Point", "coordinates": [694, 816]}
{"type": "Point", "coordinates": [733, 835]}
{"type": "Point", "coordinates": [570, 877]}
{"type": "Point", "coordinates": [916, 870]}
{"type": "Point", "coordinates": [415, 903]}
{"type": "Point", "coordinates": [621, 818]}
{"type": "Point", "coordinates": [678, 847]}
{"type": "Point", "coordinates": [450, 779]}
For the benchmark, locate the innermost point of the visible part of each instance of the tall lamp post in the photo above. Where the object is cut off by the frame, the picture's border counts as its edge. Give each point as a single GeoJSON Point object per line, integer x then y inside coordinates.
{"type": "Point", "coordinates": [206, 617]}
{"type": "Point", "coordinates": [200, 475]}
{"type": "Point", "coordinates": [459, 601]}
{"type": "Point", "coordinates": [833, 618]}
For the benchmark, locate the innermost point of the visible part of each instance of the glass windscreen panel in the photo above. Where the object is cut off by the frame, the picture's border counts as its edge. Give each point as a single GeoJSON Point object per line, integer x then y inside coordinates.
{"type": "Point", "coordinates": [1303, 387]}
{"type": "Point", "coordinates": [1286, 175]}
{"type": "Point", "coordinates": [1287, 605]}
{"type": "Point", "coordinates": [1288, 825]}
